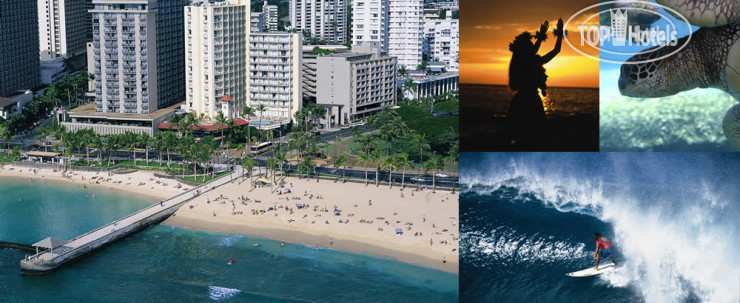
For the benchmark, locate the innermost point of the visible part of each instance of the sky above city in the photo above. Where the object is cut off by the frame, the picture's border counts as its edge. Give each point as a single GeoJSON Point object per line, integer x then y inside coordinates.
{"type": "Point", "coordinates": [487, 28]}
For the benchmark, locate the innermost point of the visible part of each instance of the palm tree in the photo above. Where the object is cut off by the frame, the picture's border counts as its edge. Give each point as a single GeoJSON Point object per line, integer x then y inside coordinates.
{"type": "Point", "coordinates": [67, 84]}
{"type": "Point", "coordinates": [432, 165]}
{"type": "Point", "coordinates": [110, 143]}
{"type": "Point", "coordinates": [97, 143]}
{"type": "Point", "coordinates": [145, 140]}
{"type": "Point", "coordinates": [421, 141]}
{"type": "Point", "coordinates": [247, 112]}
{"type": "Point", "coordinates": [271, 162]}
{"type": "Point", "coordinates": [364, 159]}
{"type": "Point", "coordinates": [291, 147]}
{"type": "Point", "coordinates": [280, 157]}
{"type": "Point", "coordinates": [260, 108]}
{"type": "Point", "coordinates": [452, 156]}
{"type": "Point", "coordinates": [306, 164]}
{"type": "Point", "coordinates": [6, 135]}
{"type": "Point", "coordinates": [403, 72]}
{"type": "Point", "coordinates": [248, 164]}
{"type": "Point", "coordinates": [221, 121]}
{"type": "Point", "coordinates": [339, 161]}
{"type": "Point", "coordinates": [376, 157]}
{"type": "Point", "coordinates": [169, 142]}
{"type": "Point", "coordinates": [403, 162]}
{"type": "Point", "coordinates": [342, 161]}
{"type": "Point", "coordinates": [389, 163]}
{"type": "Point", "coordinates": [408, 87]}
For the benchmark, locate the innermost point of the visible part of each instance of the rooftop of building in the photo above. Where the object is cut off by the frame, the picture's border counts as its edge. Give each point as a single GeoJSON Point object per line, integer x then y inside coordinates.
{"type": "Point", "coordinates": [5, 102]}
{"type": "Point", "coordinates": [88, 111]}
{"type": "Point", "coordinates": [204, 127]}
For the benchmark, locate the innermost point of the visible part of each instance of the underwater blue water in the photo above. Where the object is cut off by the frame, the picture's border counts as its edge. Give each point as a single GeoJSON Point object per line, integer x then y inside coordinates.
{"type": "Point", "coordinates": [169, 264]}
{"type": "Point", "coordinates": [527, 219]}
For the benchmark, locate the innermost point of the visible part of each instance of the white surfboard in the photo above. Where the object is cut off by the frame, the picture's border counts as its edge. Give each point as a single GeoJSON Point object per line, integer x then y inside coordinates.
{"type": "Point", "coordinates": [592, 272]}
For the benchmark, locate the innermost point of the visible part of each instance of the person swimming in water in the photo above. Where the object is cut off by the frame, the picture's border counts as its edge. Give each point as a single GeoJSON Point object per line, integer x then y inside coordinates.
{"type": "Point", "coordinates": [603, 250]}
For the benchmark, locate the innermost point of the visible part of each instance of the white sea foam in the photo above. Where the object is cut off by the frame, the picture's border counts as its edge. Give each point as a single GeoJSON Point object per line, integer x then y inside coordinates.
{"type": "Point", "coordinates": [229, 240]}
{"type": "Point", "coordinates": [504, 243]}
{"type": "Point", "coordinates": [217, 293]}
{"type": "Point", "coordinates": [677, 248]}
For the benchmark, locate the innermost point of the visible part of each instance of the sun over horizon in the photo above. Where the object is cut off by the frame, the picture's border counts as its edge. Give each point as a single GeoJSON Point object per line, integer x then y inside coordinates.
{"type": "Point", "coordinates": [488, 30]}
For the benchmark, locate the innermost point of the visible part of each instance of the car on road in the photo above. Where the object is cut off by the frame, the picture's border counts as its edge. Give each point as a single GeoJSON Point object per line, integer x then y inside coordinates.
{"type": "Point", "coordinates": [315, 134]}
{"type": "Point", "coordinates": [417, 179]}
{"type": "Point", "coordinates": [441, 175]}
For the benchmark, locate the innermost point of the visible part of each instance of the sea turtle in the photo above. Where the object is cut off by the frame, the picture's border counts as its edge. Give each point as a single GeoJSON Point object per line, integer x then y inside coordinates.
{"type": "Point", "coordinates": [711, 59]}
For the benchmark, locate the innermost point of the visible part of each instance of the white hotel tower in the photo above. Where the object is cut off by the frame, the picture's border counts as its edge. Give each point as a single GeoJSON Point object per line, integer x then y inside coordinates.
{"type": "Point", "coordinates": [275, 78]}
{"type": "Point", "coordinates": [398, 25]}
{"type": "Point", "coordinates": [216, 57]}
{"type": "Point", "coordinates": [138, 55]}
{"type": "Point", "coordinates": [325, 19]}
{"type": "Point", "coordinates": [370, 22]}
{"type": "Point", "coordinates": [406, 32]}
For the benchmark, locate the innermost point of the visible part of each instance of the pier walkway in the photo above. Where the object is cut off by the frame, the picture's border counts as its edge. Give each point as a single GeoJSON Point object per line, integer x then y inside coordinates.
{"type": "Point", "coordinates": [46, 261]}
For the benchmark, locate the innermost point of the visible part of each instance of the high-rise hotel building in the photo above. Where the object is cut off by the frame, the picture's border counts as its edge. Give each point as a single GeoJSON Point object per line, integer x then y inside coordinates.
{"type": "Point", "coordinates": [139, 57]}
{"type": "Point", "coordinates": [406, 31]}
{"type": "Point", "coordinates": [216, 38]}
{"type": "Point", "coordinates": [64, 26]}
{"type": "Point", "coordinates": [275, 73]}
{"type": "Point", "coordinates": [19, 46]}
{"type": "Point", "coordinates": [370, 22]}
{"type": "Point", "coordinates": [398, 25]}
{"type": "Point", "coordinates": [324, 19]}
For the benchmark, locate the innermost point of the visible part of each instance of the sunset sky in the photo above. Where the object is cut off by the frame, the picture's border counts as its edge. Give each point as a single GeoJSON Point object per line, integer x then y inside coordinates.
{"type": "Point", "coordinates": [487, 28]}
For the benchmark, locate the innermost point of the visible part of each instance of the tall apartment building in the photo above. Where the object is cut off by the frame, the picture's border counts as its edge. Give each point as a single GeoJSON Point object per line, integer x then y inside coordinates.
{"type": "Point", "coordinates": [406, 32]}
{"type": "Point", "coordinates": [324, 19]}
{"type": "Point", "coordinates": [216, 56]}
{"type": "Point", "coordinates": [442, 41]}
{"type": "Point", "coordinates": [19, 46]}
{"type": "Point", "coordinates": [355, 84]}
{"type": "Point", "coordinates": [257, 23]}
{"type": "Point", "coordinates": [64, 26]}
{"type": "Point", "coordinates": [370, 22]}
{"type": "Point", "coordinates": [271, 17]}
{"type": "Point", "coordinates": [275, 74]}
{"type": "Point", "coordinates": [139, 55]}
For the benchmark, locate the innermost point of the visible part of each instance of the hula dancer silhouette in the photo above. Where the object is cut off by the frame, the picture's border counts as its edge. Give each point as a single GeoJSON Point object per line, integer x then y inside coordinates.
{"type": "Point", "coordinates": [528, 79]}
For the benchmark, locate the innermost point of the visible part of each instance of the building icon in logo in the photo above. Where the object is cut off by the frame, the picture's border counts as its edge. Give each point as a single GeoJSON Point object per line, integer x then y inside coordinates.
{"type": "Point", "coordinates": [619, 27]}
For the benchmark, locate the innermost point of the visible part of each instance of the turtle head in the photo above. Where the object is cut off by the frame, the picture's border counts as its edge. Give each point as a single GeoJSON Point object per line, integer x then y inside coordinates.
{"type": "Point", "coordinates": [641, 80]}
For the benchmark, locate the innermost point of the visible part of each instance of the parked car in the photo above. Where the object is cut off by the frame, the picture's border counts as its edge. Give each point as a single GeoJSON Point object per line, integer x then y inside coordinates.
{"type": "Point", "coordinates": [417, 179]}
{"type": "Point", "coordinates": [441, 175]}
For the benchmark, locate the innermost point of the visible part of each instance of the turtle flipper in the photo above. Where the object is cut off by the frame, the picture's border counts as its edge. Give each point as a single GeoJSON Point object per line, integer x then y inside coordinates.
{"type": "Point", "coordinates": [731, 126]}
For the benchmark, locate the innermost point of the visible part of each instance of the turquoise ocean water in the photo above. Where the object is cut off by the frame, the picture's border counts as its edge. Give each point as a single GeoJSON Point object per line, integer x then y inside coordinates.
{"type": "Point", "coordinates": [169, 264]}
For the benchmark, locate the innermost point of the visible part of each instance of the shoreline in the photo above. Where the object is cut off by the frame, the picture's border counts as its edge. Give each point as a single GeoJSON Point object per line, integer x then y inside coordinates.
{"type": "Point", "coordinates": [157, 192]}
{"type": "Point", "coordinates": [312, 239]}
{"type": "Point", "coordinates": [358, 237]}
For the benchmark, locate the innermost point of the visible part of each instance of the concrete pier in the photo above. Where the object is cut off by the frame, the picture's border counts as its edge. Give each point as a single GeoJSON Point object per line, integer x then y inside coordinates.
{"type": "Point", "coordinates": [46, 261]}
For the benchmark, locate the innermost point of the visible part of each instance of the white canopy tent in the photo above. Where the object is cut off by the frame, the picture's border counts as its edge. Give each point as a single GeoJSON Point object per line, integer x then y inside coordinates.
{"type": "Point", "coordinates": [49, 243]}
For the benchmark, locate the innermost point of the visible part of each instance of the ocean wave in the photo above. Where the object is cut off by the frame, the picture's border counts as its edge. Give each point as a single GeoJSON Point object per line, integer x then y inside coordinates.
{"type": "Point", "coordinates": [678, 234]}
{"type": "Point", "coordinates": [229, 240]}
{"type": "Point", "coordinates": [217, 293]}
{"type": "Point", "coordinates": [504, 245]}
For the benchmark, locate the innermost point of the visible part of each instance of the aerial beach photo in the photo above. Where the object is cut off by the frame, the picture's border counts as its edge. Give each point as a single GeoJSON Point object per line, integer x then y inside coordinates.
{"type": "Point", "coordinates": [229, 150]}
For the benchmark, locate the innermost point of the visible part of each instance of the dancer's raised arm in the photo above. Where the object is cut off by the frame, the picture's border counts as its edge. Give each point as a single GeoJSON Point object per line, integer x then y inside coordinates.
{"type": "Point", "coordinates": [559, 32]}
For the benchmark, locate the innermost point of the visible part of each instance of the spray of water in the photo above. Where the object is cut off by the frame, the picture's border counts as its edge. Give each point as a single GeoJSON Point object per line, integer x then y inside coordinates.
{"type": "Point", "coordinates": [678, 232]}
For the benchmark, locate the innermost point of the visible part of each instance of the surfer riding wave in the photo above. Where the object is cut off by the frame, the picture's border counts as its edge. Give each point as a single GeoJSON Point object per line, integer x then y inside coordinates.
{"type": "Point", "coordinates": [603, 250]}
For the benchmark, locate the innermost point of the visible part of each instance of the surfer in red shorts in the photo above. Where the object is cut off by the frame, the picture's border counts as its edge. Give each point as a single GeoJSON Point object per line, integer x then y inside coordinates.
{"type": "Point", "coordinates": [603, 250]}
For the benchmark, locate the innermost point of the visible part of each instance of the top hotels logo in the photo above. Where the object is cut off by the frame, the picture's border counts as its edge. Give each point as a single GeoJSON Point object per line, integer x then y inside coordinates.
{"type": "Point", "coordinates": [621, 39]}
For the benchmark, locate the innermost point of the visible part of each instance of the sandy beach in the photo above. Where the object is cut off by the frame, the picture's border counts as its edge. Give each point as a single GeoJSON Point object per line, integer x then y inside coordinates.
{"type": "Point", "coordinates": [365, 220]}
{"type": "Point", "coordinates": [138, 182]}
